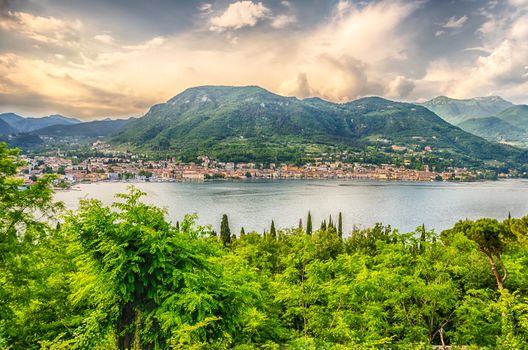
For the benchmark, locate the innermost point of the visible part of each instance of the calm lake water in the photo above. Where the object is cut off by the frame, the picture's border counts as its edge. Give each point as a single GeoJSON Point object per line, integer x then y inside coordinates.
{"type": "Point", "coordinates": [253, 204]}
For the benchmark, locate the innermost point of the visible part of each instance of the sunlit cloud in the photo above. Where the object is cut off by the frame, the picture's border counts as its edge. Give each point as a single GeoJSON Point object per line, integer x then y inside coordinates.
{"type": "Point", "coordinates": [48, 30]}
{"type": "Point", "coordinates": [88, 67]}
{"type": "Point", "coordinates": [454, 22]}
{"type": "Point", "coordinates": [104, 38]}
{"type": "Point", "coordinates": [154, 42]}
{"type": "Point", "coordinates": [283, 21]}
{"type": "Point", "coordinates": [240, 14]}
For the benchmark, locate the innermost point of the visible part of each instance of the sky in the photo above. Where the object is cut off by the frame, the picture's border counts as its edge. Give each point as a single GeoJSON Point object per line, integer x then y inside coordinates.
{"type": "Point", "coordinates": [98, 58]}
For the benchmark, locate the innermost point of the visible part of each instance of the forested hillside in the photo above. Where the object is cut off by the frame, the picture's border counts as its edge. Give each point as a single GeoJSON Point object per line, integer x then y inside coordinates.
{"type": "Point", "coordinates": [244, 124]}
{"type": "Point", "coordinates": [123, 277]}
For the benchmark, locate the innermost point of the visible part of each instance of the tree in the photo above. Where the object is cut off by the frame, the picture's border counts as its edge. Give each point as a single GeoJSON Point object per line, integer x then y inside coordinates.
{"type": "Point", "coordinates": [242, 232]}
{"type": "Point", "coordinates": [309, 224]}
{"type": "Point", "coordinates": [300, 227]}
{"type": "Point", "coordinates": [323, 225]}
{"type": "Point", "coordinates": [26, 250]}
{"type": "Point", "coordinates": [273, 232]}
{"type": "Point", "coordinates": [148, 283]}
{"type": "Point", "coordinates": [225, 231]}
{"type": "Point", "coordinates": [490, 236]}
{"type": "Point", "coordinates": [340, 225]}
{"type": "Point", "coordinates": [422, 238]}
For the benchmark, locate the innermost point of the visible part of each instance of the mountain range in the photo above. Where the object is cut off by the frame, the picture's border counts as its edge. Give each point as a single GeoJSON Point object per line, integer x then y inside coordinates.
{"type": "Point", "coordinates": [250, 123]}
{"type": "Point", "coordinates": [21, 124]}
{"type": "Point", "coordinates": [457, 111]}
{"type": "Point", "coordinates": [492, 117]}
{"type": "Point", "coordinates": [59, 126]}
{"type": "Point", "coordinates": [97, 128]}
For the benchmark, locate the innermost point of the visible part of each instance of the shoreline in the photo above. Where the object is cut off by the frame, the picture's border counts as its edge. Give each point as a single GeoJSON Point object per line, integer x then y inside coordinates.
{"type": "Point", "coordinates": [272, 180]}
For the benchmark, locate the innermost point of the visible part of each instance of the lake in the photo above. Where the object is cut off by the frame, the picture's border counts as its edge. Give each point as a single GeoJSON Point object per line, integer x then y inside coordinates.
{"type": "Point", "coordinates": [253, 204]}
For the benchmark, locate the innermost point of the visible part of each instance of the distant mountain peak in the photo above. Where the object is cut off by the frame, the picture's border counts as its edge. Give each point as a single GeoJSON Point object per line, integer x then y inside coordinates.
{"type": "Point", "coordinates": [457, 111]}
{"type": "Point", "coordinates": [492, 98]}
{"type": "Point", "coordinates": [208, 93]}
{"type": "Point", "coordinates": [23, 124]}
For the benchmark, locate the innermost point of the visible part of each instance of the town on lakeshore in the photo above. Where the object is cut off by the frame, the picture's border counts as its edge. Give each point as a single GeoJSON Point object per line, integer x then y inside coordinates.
{"type": "Point", "coordinates": [112, 165]}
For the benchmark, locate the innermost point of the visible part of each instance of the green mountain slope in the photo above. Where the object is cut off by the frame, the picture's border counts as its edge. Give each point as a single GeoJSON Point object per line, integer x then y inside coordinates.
{"type": "Point", "coordinates": [457, 111]}
{"type": "Point", "coordinates": [89, 129]}
{"type": "Point", "coordinates": [495, 129]}
{"type": "Point", "coordinates": [5, 128]}
{"type": "Point", "coordinates": [250, 123]}
{"type": "Point", "coordinates": [516, 115]}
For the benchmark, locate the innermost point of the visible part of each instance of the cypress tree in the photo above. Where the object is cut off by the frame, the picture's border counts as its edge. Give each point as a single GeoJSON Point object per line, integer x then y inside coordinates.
{"type": "Point", "coordinates": [177, 226]}
{"type": "Point", "coordinates": [225, 232]}
{"type": "Point", "coordinates": [422, 239]}
{"type": "Point", "coordinates": [330, 222]}
{"type": "Point", "coordinates": [300, 225]}
{"type": "Point", "coordinates": [273, 232]}
{"type": "Point", "coordinates": [309, 224]}
{"type": "Point", "coordinates": [242, 232]}
{"type": "Point", "coordinates": [340, 225]}
{"type": "Point", "coordinates": [323, 225]}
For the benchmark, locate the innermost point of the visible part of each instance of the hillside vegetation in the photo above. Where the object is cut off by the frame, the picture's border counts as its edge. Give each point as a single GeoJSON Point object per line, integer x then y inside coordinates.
{"type": "Point", "coordinates": [252, 124]}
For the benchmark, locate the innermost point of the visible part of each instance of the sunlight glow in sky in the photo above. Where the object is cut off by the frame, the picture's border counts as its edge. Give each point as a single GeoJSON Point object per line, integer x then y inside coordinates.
{"type": "Point", "coordinates": [98, 58]}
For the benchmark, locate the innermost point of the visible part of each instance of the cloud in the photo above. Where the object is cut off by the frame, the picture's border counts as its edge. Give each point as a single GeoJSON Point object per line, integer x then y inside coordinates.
{"type": "Point", "coordinates": [499, 67]}
{"type": "Point", "coordinates": [240, 14]}
{"type": "Point", "coordinates": [104, 38]}
{"type": "Point", "coordinates": [331, 60]}
{"type": "Point", "coordinates": [519, 3]}
{"type": "Point", "coordinates": [400, 87]}
{"type": "Point", "coordinates": [206, 8]}
{"type": "Point", "coordinates": [453, 22]}
{"type": "Point", "coordinates": [47, 30]}
{"type": "Point", "coordinates": [439, 33]}
{"type": "Point", "coordinates": [345, 51]}
{"type": "Point", "coordinates": [66, 91]}
{"type": "Point", "coordinates": [154, 42]}
{"type": "Point", "coordinates": [298, 86]}
{"type": "Point", "coordinates": [339, 59]}
{"type": "Point", "coordinates": [283, 21]}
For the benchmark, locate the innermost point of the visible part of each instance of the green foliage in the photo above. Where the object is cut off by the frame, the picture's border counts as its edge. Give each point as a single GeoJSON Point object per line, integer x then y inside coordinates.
{"type": "Point", "coordinates": [123, 277]}
{"type": "Point", "coordinates": [32, 286]}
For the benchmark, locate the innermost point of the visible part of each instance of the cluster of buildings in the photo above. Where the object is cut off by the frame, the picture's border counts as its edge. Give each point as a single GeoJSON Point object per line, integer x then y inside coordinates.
{"type": "Point", "coordinates": [72, 170]}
